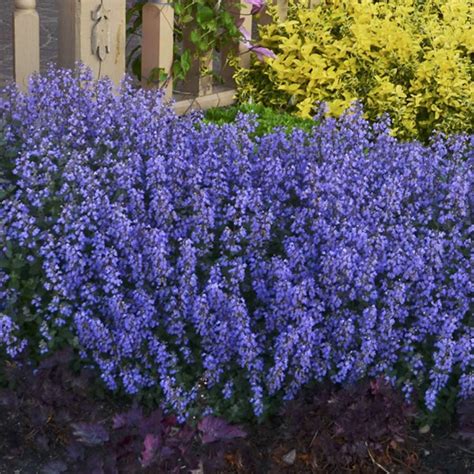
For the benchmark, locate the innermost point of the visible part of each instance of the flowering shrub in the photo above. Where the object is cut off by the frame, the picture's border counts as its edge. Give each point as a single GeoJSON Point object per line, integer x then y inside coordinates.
{"type": "Point", "coordinates": [220, 271]}
{"type": "Point", "coordinates": [412, 59]}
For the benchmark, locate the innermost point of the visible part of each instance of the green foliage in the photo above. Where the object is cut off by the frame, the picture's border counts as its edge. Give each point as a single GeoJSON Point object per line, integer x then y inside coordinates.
{"type": "Point", "coordinates": [210, 23]}
{"type": "Point", "coordinates": [412, 59]}
{"type": "Point", "coordinates": [134, 21]}
{"type": "Point", "coordinates": [443, 415]}
{"type": "Point", "coordinates": [268, 119]}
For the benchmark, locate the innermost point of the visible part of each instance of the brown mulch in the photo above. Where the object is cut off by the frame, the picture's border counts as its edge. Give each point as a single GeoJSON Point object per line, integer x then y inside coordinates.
{"type": "Point", "coordinates": [305, 437]}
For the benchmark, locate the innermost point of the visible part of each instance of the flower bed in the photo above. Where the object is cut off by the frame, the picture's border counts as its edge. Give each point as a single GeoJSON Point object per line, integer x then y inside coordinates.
{"type": "Point", "coordinates": [224, 272]}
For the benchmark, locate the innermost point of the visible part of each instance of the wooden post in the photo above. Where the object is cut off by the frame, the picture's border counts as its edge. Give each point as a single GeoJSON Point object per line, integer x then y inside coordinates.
{"type": "Point", "coordinates": [195, 83]}
{"type": "Point", "coordinates": [157, 45]}
{"type": "Point", "coordinates": [282, 11]}
{"type": "Point", "coordinates": [240, 50]}
{"type": "Point", "coordinates": [93, 32]}
{"type": "Point", "coordinates": [26, 41]}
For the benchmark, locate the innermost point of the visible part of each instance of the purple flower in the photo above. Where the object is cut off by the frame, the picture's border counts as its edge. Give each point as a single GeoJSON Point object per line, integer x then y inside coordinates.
{"type": "Point", "coordinates": [260, 51]}
{"type": "Point", "coordinates": [257, 6]}
{"type": "Point", "coordinates": [191, 259]}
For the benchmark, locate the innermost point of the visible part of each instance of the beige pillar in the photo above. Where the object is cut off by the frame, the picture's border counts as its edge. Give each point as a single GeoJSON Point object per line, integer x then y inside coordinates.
{"type": "Point", "coordinates": [240, 50]}
{"type": "Point", "coordinates": [282, 11]}
{"type": "Point", "coordinates": [26, 41]}
{"type": "Point", "coordinates": [93, 32]}
{"type": "Point", "coordinates": [157, 46]}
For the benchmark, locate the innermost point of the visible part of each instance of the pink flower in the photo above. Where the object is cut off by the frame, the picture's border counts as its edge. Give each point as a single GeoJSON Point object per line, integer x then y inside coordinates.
{"type": "Point", "coordinates": [257, 6]}
{"type": "Point", "coordinates": [260, 51]}
{"type": "Point", "coordinates": [245, 33]}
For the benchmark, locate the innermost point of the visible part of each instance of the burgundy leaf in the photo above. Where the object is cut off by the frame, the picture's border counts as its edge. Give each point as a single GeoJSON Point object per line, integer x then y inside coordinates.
{"type": "Point", "coordinates": [38, 414]}
{"type": "Point", "coordinates": [42, 442]}
{"type": "Point", "coordinates": [130, 418]}
{"type": "Point", "coordinates": [62, 357]}
{"type": "Point", "coordinates": [8, 398]}
{"type": "Point", "coordinates": [375, 386]}
{"type": "Point", "coordinates": [54, 467]}
{"type": "Point", "coordinates": [170, 420]}
{"type": "Point", "coordinates": [166, 452]}
{"type": "Point", "coordinates": [90, 434]}
{"type": "Point", "coordinates": [127, 444]}
{"type": "Point", "coordinates": [75, 451]}
{"type": "Point", "coordinates": [215, 429]}
{"type": "Point", "coordinates": [186, 434]}
{"type": "Point", "coordinates": [63, 416]}
{"type": "Point", "coordinates": [51, 393]}
{"type": "Point", "coordinates": [153, 423]}
{"type": "Point", "coordinates": [110, 463]}
{"type": "Point", "coordinates": [465, 410]}
{"type": "Point", "coordinates": [95, 464]}
{"type": "Point", "coordinates": [150, 449]}
{"type": "Point", "coordinates": [81, 383]}
{"type": "Point", "coordinates": [181, 438]}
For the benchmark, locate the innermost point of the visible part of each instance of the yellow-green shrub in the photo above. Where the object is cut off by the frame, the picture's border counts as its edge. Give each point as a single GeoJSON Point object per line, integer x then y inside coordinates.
{"type": "Point", "coordinates": [412, 59]}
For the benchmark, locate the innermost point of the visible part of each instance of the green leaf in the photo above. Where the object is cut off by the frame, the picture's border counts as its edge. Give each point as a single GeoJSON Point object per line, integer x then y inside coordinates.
{"type": "Point", "coordinates": [137, 67]}
{"type": "Point", "coordinates": [185, 62]}
{"type": "Point", "coordinates": [195, 36]}
{"type": "Point", "coordinates": [157, 75]}
{"type": "Point", "coordinates": [17, 263]}
{"type": "Point", "coordinates": [204, 14]}
{"type": "Point", "coordinates": [9, 250]}
{"type": "Point", "coordinates": [187, 18]}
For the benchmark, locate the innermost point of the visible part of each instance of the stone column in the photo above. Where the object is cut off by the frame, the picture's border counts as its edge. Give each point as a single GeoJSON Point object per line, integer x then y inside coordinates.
{"type": "Point", "coordinates": [157, 46]}
{"type": "Point", "coordinates": [93, 32]}
{"type": "Point", "coordinates": [26, 41]}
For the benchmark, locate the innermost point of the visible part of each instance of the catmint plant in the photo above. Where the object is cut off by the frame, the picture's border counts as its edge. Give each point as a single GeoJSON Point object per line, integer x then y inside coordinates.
{"type": "Point", "coordinates": [212, 267]}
